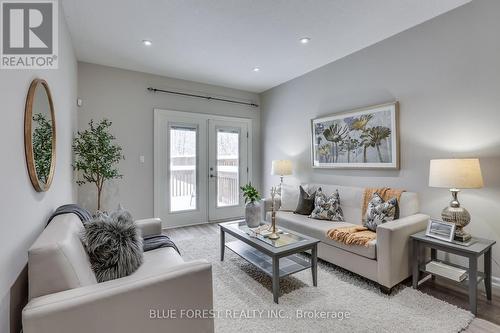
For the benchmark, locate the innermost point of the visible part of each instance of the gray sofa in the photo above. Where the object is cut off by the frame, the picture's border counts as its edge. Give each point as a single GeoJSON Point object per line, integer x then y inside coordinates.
{"type": "Point", "coordinates": [64, 295]}
{"type": "Point", "coordinates": [386, 260]}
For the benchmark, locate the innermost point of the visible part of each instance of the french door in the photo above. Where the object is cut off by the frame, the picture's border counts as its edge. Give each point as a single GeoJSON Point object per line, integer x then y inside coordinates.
{"type": "Point", "coordinates": [200, 163]}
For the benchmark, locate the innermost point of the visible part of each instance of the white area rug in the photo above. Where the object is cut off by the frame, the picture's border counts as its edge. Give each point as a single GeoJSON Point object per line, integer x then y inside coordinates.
{"type": "Point", "coordinates": [244, 302]}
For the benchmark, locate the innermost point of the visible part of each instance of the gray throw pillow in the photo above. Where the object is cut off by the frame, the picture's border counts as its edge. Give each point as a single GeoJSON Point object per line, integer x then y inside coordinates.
{"type": "Point", "coordinates": [306, 202]}
{"type": "Point", "coordinates": [379, 212]}
{"type": "Point", "coordinates": [114, 245]}
{"type": "Point", "coordinates": [327, 208]}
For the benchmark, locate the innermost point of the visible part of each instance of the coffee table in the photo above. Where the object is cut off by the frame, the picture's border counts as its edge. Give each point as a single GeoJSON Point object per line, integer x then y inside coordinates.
{"type": "Point", "coordinates": [276, 258]}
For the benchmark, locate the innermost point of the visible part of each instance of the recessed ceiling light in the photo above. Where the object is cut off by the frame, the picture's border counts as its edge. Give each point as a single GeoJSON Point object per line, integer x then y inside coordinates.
{"type": "Point", "coordinates": [147, 42]}
{"type": "Point", "coordinates": [305, 40]}
{"type": "Point", "coordinates": [256, 69]}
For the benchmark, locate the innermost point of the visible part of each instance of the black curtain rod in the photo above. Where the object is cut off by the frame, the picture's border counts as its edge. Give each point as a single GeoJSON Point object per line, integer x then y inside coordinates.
{"type": "Point", "coordinates": [209, 98]}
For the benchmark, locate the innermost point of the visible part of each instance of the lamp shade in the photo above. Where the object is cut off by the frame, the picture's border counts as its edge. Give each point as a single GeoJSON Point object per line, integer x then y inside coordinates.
{"type": "Point", "coordinates": [281, 167]}
{"type": "Point", "coordinates": [455, 173]}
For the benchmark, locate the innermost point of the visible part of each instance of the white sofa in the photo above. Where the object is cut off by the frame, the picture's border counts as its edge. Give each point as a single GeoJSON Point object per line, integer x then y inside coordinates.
{"type": "Point", "coordinates": [64, 295]}
{"type": "Point", "coordinates": [386, 260]}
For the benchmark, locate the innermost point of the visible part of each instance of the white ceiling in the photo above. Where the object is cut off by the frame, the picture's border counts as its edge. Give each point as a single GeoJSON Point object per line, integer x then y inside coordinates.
{"type": "Point", "coordinates": [221, 41]}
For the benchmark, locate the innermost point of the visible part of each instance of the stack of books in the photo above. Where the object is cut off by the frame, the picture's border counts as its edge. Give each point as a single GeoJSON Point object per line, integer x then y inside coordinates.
{"type": "Point", "coordinates": [447, 271]}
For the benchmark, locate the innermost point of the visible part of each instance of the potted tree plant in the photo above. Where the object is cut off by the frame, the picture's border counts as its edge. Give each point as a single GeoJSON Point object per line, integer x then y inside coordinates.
{"type": "Point", "coordinates": [96, 156]}
{"type": "Point", "coordinates": [252, 207]}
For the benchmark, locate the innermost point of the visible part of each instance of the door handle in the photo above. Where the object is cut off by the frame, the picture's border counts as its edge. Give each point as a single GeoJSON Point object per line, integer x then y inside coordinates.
{"type": "Point", "coordinates": [212, 176]}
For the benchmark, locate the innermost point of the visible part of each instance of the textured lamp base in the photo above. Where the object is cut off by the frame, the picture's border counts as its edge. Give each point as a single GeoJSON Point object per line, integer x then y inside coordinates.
{"type": "Point", "coordinates": [462, 236]}
{"type": "Point", "coordinates": [461, 217]}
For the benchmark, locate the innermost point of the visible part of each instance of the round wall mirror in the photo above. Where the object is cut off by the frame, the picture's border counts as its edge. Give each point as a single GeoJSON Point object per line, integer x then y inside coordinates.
{"type": "Point", "coordinates": [40, 135]}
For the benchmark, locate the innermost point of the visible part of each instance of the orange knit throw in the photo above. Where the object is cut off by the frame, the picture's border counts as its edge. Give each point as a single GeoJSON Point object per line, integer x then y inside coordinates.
{"type": "Point", "coordinates": [356, 235]}
{"type": "Point", "coordinates": [386, 193]}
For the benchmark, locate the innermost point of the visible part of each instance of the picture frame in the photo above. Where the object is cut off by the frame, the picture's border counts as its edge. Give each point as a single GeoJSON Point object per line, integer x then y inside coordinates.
{"type": "Point", "coordinates": [440, 230]}
{"type": "Point", "coordinates": [365, 138]}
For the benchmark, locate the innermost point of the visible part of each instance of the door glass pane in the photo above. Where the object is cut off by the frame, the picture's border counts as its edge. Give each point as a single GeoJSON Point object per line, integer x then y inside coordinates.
{"type": "Point", "coordinates": [228, 165]}
{"type": "Point", "coordinates": [182, 169]}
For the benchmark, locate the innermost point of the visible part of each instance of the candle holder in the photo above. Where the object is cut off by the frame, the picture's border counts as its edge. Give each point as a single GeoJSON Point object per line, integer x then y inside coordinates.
{"type": "Point", "coordinates": [274, 234]}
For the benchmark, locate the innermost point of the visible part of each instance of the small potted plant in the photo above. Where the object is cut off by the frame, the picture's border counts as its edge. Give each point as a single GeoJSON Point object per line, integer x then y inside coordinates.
{"type": "Point", "coordinates": [252, 208]}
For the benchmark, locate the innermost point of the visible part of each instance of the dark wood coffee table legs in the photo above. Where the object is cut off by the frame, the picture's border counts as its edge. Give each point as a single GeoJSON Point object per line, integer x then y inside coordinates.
{"type": "Point", "coordinates": [222, 243]}
{"type": "Point", "coordinates": [314, 265]}
{"type": "Point", "coordinates": [276, 279]}
{"type": "Point", "coordinates": [276, 272]}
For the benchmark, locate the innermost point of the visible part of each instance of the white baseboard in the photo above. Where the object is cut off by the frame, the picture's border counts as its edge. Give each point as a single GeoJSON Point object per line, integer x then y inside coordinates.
{"type": "Point", "coordinates": [495, 282]}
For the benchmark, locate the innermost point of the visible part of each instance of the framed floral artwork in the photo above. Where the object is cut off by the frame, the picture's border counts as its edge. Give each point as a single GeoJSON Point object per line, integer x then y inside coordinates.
{"type": "Point", "coordinates": [357, 139]}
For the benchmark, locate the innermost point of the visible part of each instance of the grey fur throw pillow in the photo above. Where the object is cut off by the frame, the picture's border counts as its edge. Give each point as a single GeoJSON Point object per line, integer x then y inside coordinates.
{"type": "Point", "coordinates": [379, 212]}
{"type": "Point", "coordinates": [114, 245]}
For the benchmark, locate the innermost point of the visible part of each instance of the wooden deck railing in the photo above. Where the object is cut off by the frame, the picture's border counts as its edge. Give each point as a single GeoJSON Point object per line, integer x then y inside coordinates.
{"type": "Point", "coordinates": [183, 180]}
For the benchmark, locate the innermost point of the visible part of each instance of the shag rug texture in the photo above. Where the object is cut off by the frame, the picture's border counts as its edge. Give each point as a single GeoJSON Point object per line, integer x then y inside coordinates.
{"type": "Point", "coordinates": [342, 302]}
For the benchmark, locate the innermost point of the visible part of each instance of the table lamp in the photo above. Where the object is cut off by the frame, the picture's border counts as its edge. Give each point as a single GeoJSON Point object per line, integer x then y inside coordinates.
{"type": "Point", "coordinates": [456, 174]}
{"type": "Point", "coordinates": [281, 168]}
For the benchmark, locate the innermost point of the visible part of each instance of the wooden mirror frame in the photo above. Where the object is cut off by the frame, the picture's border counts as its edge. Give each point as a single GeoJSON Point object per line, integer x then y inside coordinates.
{"type": "Point", "coordinates": [28, 139]}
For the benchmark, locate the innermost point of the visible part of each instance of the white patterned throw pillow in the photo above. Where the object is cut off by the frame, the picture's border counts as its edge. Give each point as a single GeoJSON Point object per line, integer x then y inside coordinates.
{"type": "Point", "coordinates": [380, 211]}
{"type": "Point", "coordinates": [327, 208]}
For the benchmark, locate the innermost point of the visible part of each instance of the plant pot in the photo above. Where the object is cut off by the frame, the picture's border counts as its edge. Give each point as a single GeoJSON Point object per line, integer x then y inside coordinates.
{"type": "Point", "coordinates": [252, 214]}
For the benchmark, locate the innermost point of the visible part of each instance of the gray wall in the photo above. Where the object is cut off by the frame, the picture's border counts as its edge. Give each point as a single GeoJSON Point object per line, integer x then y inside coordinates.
{"type": "Point", "coordinates": [121, 96]}
{"type": "Point", "coordinates": [24, 211]}
{"type": "Point", "coordinates": [445, 74]}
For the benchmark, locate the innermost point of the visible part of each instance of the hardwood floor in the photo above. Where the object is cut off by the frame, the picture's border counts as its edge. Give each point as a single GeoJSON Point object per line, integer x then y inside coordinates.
{"type": "Point", "coordinates": [447, 291]}
{"type": "Point", "coordinates": [487, 320]}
